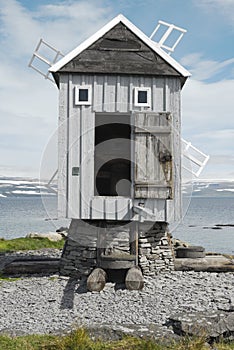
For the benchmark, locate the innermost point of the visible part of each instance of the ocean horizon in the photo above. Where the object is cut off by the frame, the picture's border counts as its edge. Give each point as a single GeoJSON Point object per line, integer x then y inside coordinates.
{"type": "Point", "coordinates": [28, 206]}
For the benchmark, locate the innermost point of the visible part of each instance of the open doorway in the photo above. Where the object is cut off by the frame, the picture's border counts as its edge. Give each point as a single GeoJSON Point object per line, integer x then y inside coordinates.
{"type": "Point", "coordinates": [112, 160]}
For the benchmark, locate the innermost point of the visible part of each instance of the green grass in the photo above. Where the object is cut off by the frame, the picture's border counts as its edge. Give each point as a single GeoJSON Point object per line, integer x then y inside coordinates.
{"type": "Point", "coordinates": [28, 244]}
{"type": "Point", "coordinates": [8, 279]}
{"type": "Point", "coordinates": [79, 340]}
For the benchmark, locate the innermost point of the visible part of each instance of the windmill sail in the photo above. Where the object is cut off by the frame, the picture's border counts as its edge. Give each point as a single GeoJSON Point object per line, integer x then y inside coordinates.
{"type": "Point", "coordinates": [193, 160]}
{"type": "Point", "coordinates": [44, 56]}
{"type": "Point", "coordinates": [168, 30]}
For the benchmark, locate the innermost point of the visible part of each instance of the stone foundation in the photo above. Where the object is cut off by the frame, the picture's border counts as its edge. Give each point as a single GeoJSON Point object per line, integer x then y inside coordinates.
{"type": "Point", "coordinates": [86, 239]}
{"type": "Point", "coordinates": [79, 255]}
{"type": "Point", "coordinates": [155, 252]}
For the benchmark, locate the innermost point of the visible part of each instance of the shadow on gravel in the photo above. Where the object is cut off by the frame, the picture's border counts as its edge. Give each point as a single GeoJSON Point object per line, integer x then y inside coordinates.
{"type": "Point", "coordinates": [67, 301]}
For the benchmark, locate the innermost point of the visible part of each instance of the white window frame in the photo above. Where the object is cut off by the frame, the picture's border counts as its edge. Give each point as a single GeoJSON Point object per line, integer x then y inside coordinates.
{"type": "Point", "coordinates": [138, 104]}
{"type": "Point", "coordinates": [81, 87]}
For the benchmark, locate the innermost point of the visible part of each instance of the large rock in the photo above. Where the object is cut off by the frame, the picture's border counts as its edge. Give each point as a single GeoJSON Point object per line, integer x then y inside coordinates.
{"type": "Point", "coordinates": [63, 231]}
{"type": "Point", "coordinates": [178, 243]}
{"type": "Point", "coordinates": [52, 236]}
{"type": "Point", "coordinates": [214, 325]}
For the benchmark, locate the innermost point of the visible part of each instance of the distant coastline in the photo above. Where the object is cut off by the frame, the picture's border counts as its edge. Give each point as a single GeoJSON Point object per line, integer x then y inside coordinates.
{"type": "Point", "coordinates": [19, 186]}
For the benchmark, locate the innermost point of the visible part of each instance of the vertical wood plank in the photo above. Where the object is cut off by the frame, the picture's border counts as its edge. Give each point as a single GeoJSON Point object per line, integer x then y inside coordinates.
{"type": "Point", "coordinates": [74, 152]}
{"type": "Point", "coordinates": [87, 160]}
{"type": "Point", "coordinates": [62, 146]}
{"type": "Point", "coordinates": [173, 91]}
{"type": "Point", "coordinates": [98, 93]}
{"type": "Point", "coordinates": [158, 95]}
{"type": "Point", "coordinates": [109, 94]}
{"type": "Point", "coordinates": [118, 95]}
{"type": "Point", "coordinates": [123, 98]}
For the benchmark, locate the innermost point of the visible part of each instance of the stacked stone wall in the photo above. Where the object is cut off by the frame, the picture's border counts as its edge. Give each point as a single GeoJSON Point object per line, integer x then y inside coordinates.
{"type": "Point", "coordinates": [79, 255]}
{"type": "Point", "coordinates": [155, 249]}
{"type": "Point", "coordinates": [79, 258]}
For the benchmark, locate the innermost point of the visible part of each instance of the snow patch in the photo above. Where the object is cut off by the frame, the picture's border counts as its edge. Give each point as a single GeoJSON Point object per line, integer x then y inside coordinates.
{"type": "Point", "coordinates": [226, 189]}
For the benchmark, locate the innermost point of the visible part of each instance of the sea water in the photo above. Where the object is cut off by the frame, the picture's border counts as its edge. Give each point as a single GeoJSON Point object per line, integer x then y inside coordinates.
{"type": "Point", "coordinates": [22, 215]}
{"type": "Point", "coordinates": [199, 221]}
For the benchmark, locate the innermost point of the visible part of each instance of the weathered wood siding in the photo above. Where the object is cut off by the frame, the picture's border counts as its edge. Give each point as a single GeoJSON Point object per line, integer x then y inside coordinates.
{"type": "Point", "coordinates": [153, 155]}
{"type": "Point", "coordinates": [110, 94]}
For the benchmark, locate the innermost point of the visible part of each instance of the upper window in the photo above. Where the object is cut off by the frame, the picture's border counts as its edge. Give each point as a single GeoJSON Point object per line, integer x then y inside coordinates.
{"type": "Point", "coordinates": [142, 97]}
{"type": "Point", "coordinates": [83, 95]}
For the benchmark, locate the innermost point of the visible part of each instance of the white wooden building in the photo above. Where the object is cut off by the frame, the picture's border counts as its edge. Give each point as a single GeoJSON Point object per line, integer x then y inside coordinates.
{"type": "Point", "coordinates": [119, 128]}
{"type": "Point", "coordinates": [119, 176]}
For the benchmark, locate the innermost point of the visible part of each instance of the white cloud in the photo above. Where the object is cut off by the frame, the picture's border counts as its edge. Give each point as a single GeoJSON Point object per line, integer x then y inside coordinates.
{"type": "Point", "coordinates": [202, 69]}
{"type": "Point", "coordinates": [226, 7]}
{"type": "Point", "coordinates": [222, 139]}
{"type": "Point", "coordinates": [219, 167]}
{"type": "Point", "coordinates": [28, 109]}
{"type": "Point", "coordinates": [207, 106]}
{"type": "Point", "coordinates": [208, 123]}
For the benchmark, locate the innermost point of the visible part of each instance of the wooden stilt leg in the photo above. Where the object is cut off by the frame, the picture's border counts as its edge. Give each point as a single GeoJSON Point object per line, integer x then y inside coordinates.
{"type": "Point", "coordinates": [134, 279]}
{"type": "Point", "coordinates": [96, 280]}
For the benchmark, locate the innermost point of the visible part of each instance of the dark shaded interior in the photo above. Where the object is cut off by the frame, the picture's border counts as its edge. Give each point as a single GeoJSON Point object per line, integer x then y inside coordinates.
{"type": "Point", "coordinates": [112, 156]}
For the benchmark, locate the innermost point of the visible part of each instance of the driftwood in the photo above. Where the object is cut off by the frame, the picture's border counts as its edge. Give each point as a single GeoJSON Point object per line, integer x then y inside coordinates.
{"type": "Point", "coordinates": [96, 280]}
{"type": "Point", "coordinates": [216, 263]}
{"type": "Point", "coordinates": [134, 279]}
{"type": "Point", "coordinates": [34, 266]}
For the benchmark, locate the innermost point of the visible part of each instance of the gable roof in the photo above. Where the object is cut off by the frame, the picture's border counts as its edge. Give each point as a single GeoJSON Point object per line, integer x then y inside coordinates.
{"type": "Point", "coordinates": [120, 18]}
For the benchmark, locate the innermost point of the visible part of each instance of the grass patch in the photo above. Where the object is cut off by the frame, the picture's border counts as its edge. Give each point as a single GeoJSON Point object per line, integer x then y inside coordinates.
{"type": "Point", "coordinates": [13, 245]}
{"type": "Point", "coordinates": [80, 340]}
{"type": "Point", "coordinates": [8, 279]}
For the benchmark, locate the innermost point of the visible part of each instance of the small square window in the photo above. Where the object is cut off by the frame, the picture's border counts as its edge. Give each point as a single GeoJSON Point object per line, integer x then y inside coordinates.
{"type": "Point", "coordinates": [142, 97]}
{"type": "Point", "coordinates": [83, 95]}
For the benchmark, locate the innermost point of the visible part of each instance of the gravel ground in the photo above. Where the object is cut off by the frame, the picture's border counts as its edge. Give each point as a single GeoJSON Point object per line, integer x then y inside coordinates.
{"type": "Point", "coordinates": [39, 304]}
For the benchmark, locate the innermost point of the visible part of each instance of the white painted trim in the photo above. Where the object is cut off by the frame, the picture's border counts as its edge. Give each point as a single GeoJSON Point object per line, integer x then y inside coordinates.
{"type": "Point", "coordinates": [76, 95]}
{"type": "Point", "coordinates": [138, 104]}
{"type": "Point", "coordinates": [120, 18]}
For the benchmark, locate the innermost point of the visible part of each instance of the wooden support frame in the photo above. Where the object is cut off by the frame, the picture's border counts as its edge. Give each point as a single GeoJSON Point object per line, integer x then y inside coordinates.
{"type": "Point", "coordinates": [133, 240]}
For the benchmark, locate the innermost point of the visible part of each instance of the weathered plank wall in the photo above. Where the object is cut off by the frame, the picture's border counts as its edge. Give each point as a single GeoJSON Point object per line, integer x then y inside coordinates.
{"type": "Point", "coordinates": [110, 94]}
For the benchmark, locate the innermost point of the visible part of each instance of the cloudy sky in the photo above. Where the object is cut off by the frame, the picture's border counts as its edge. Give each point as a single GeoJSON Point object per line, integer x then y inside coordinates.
{"type": "Point", "coordinates": [28, 103]}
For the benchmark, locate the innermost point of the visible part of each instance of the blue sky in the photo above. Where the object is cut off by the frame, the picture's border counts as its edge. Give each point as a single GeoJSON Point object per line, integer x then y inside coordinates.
{"type": "Point", "coordinates": [28, 108]}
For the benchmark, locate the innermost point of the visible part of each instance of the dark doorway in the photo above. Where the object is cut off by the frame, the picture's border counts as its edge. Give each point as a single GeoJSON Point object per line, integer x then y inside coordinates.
{"type": "Point", "coordinates": [112, 165]}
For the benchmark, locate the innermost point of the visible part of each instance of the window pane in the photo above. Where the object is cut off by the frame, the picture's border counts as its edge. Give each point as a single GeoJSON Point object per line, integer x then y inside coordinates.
{"type": "Point", "coordinates": [83, 95]}
{"type": "Point", "coordinates": [142, 96]}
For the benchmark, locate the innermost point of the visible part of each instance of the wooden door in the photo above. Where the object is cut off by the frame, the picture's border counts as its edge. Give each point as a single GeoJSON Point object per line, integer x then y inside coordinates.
{"type": "Point", "coordinates": [153, 155]}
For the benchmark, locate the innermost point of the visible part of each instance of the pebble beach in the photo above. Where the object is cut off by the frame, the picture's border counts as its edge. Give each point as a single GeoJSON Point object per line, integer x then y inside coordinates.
{"type": "Point", "coordinates": [54, 304]}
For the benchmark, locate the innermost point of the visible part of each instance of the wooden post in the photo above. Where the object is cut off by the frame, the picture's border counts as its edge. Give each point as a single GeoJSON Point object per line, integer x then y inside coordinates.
{"type": "Point", "coordinates": [101, 237]}
{"type": "Point", "coordinates": [133, 237]}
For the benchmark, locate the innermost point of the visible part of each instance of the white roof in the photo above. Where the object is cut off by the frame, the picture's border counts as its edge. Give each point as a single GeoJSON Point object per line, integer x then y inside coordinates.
{"type": "Point", "coordinates": [120, 18]}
